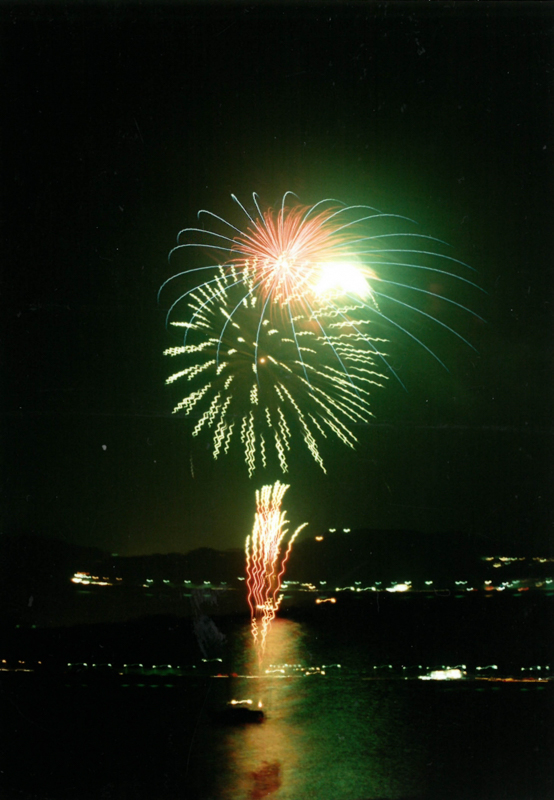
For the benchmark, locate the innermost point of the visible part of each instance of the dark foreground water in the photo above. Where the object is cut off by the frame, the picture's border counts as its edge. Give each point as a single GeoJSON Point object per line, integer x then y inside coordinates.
{"type": "Point", "coordinates": [353, 733]}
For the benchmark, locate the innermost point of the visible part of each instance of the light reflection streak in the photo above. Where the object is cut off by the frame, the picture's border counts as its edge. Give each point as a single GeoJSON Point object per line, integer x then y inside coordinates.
{"type": "Point", "coordinates": [261, 760]}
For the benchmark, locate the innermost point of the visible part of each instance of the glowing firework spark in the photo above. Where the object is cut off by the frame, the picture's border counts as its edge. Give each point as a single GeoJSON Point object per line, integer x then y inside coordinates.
{"type": "Point", "coordinates": [265, 563]}
{"type": "Point", "coordinates": [277, 339]}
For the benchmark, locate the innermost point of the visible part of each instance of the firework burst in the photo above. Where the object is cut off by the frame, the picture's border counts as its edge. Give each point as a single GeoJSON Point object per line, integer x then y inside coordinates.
{"type": "Point", "coordinates": [280, 340]}
{"type": "Point", "coordinates": [265, 562]}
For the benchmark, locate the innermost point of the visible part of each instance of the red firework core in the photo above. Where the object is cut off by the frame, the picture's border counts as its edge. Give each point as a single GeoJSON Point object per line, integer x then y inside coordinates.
{"type": "Point", "coordinates": [283, 252]}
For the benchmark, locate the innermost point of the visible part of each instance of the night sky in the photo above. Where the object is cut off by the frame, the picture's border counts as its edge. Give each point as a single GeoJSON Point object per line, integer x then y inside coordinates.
{"type": "Point", "coordinates": [122, 121]}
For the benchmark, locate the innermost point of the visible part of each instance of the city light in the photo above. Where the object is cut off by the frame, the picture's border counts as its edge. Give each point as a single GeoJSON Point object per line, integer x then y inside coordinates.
{"type": "Point", "coordinates": [449, 674]}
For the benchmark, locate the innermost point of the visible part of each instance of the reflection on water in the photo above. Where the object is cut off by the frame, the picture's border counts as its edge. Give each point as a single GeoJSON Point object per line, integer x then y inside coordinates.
{"type": "Point", "coordinates": [259, 760]}
{"type": "Point", "coordinates": [324, 736]}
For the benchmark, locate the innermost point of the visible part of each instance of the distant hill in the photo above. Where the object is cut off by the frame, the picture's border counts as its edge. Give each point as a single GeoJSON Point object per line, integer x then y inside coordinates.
{"type": "Point", "coordinates": [369, 555]}
{"type": "Point", "coordinates": [36, 572]}
{"type": "Point", "coordinates": [203, 564]}
{"type": "Point", "coordinates": [28, 561]}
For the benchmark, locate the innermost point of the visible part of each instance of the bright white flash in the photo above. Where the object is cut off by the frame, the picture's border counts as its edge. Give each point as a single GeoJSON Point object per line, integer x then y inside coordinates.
{"type": "Point", "coordinates": [343, 277]}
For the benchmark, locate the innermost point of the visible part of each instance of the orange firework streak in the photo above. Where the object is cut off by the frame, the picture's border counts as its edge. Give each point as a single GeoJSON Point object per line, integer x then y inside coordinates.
{"type": "Point", "coordinates": [264, 565]}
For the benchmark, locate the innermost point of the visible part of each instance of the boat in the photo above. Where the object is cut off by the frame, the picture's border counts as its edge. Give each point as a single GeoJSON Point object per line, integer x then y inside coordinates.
{"type": "Point", "coordinates": [236, 714]}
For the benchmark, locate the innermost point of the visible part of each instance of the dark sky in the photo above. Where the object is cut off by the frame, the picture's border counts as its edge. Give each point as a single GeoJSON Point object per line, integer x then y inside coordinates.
{"type": "Point", "coordinates": [122, 121]}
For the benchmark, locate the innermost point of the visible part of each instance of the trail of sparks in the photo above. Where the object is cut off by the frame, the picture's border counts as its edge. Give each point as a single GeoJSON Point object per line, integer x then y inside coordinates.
{"type": "Point", "coordinates": [270, 390]}
{"type": "Point", "coordinates": [265, 561]}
